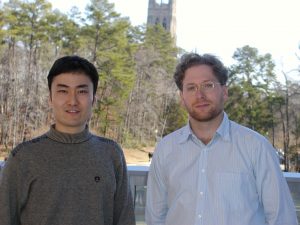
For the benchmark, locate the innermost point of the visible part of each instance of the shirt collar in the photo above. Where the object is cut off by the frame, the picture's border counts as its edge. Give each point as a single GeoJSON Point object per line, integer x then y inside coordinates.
{"type": "Point", "coordinates": [223, 130]}
{"type": "Point", "coordinates": [185, 133]}
{"type": "Point", "coordinates": [69, 138]}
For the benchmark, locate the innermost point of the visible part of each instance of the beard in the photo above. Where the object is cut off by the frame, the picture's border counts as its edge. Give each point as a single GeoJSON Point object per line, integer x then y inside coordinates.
{"type": "Point", "coordinates": [204, 115]}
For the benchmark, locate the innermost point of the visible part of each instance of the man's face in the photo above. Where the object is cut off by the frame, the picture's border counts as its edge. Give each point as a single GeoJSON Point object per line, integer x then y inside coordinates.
{"type": "Point", "coordinates": [202, 95]}
{"type": "Point", "coordinates": [71, 101]}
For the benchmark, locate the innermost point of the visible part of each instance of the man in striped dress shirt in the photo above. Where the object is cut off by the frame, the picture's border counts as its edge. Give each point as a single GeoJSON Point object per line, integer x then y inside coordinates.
{"type": "Point", "coordinates": [214, 171]}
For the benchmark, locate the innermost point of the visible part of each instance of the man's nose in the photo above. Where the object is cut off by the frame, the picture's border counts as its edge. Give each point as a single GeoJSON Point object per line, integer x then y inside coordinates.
{"type": "Point", "coordinates": [200, 93]}
{"type": "Point", "coordinates": [72, 98]}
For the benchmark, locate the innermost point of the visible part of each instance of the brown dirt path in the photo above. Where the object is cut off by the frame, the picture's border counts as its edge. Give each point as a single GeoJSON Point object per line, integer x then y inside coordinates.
{"type": "Point", "coordinates": [137, 156]}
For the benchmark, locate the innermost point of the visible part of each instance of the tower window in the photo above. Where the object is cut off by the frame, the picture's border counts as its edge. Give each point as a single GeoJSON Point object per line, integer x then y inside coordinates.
{"type": "Point", "coordinates": [157, 21]}
{"type": "Point", "coordinates": [159, 2]}
{"type": "Point", "coordinates": [164, 24]}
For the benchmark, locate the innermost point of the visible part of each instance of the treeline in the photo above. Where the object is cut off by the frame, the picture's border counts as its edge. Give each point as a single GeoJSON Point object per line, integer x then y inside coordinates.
{"type": "Point", "coordinates": [137, 98]}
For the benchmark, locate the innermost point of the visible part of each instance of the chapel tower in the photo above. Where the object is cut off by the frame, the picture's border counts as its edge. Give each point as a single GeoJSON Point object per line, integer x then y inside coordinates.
{"type": "Point", "coordinates": [163, 12]}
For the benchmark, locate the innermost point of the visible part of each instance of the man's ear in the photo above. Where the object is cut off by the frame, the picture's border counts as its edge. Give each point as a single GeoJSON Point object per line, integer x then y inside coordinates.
{"type": "Point", "coordinates": [50, 100]}
{"type": "Point", "coordinates": [181, 98]}
{"type": "Point", "coordinates": [95, 99]}
{"type": "Point", "coordinates": [225, 92]}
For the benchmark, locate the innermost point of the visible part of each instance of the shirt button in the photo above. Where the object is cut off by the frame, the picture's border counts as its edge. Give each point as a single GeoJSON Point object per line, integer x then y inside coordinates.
{"type": "Point", "coordinates": [203, 170]}
{"type": "Point", "coordinates": [201, 193]}
{"type": "Point", "coordinates": [199, 216]}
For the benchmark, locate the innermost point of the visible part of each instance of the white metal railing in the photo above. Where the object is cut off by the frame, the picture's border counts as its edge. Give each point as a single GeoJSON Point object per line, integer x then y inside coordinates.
{"type": "Point", "coordinates": [1, 164]}
{"type": "Point", "coordinates": [138, 182]}
{"type": "Point", "coordinates": [293, 180]}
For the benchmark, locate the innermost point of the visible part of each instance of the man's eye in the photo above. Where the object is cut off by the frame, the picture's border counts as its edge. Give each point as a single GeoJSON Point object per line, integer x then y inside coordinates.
{"type": "Point", "coordinates": [83, 92]}
{"type": "Point", "coordinates": [191, 88]}
{"type": "Point", "coordinates": [208, 85]}
{"type": "Point", "coordinates": [62, 91]}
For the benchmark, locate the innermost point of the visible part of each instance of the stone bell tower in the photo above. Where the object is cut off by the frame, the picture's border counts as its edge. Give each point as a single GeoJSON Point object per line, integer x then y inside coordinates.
{"type": "Point", "coordinates": [163, 12]}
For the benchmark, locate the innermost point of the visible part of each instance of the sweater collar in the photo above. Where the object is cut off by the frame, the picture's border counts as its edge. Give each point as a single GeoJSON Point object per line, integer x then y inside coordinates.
{"type": "Point", "coordinates": [68, 138]}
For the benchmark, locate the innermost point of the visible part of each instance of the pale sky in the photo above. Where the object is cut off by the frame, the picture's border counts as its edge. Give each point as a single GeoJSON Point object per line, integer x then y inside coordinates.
{"type": "Point", "coordinates": [222, 26]}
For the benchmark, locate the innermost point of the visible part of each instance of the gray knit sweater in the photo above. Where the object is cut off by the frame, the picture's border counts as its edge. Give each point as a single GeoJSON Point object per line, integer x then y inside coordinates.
{"type": "Point", "coordinates": [64, 179]}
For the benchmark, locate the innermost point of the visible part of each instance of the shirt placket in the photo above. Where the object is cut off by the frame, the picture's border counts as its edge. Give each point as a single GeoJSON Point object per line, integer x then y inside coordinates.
{"type": "Point", "coordinates": [201, 184]}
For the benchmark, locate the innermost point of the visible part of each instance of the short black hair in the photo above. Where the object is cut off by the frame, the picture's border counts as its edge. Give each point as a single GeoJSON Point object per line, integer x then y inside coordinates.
{"type": "Point", "coordinates": [193, 59]}
{"type": "Point", "coordinates": [73, 64]}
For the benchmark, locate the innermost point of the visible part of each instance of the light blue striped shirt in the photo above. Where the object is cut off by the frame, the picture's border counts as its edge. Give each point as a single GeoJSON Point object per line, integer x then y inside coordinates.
{"type": "Point", "coordinates": [233, 180]}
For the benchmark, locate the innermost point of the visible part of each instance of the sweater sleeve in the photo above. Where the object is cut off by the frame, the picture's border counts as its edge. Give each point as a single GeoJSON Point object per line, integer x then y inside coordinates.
{"type": "Point", "coordinates": [123, 203]}
{"type": "Point", "coordinates": [10, 187]}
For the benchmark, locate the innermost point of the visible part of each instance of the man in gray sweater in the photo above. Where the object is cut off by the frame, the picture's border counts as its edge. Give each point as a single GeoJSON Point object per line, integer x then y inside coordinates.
{"type": "Point", "coordinates": [67, 176]}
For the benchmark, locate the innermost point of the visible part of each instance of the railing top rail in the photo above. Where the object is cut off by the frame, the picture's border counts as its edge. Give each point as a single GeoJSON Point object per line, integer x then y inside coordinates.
{"type": "Point", "coordinates": [292, 177]}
